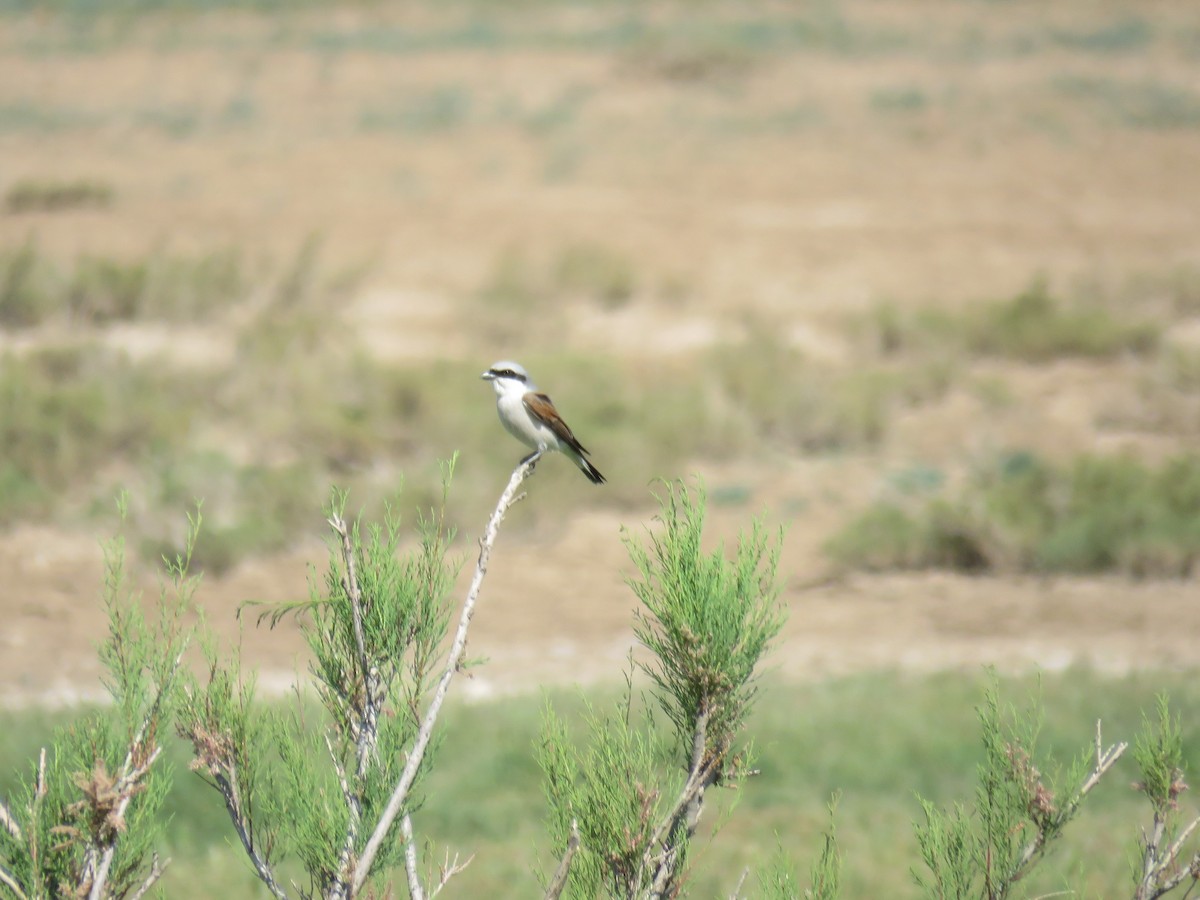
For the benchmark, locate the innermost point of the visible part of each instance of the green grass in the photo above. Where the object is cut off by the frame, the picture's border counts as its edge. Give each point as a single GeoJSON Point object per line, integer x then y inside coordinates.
{"type": "Point", "coordinates": [1035, 327]}
{"type": "Point", "coordinates": [1020, 513]}
{"type": "Point", "coordinates": [157, 286]}
{"type": "Point", "coordinates": [876, 739]}
{"type": "Point", "coordinates": [66, 413]}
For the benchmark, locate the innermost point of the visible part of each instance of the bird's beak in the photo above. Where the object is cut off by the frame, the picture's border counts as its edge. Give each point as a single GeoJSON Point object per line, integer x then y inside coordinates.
{"type": "Point", "coordinates": [487, 376]}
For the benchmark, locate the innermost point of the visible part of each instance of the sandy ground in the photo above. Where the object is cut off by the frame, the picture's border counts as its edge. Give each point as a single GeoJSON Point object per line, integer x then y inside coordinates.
{"type": "Point", "coordinates": [789, 187]}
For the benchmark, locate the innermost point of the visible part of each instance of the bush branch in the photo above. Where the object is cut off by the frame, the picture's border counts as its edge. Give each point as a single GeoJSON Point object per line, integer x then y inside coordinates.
{"type": "Point", "coordinates": [155, 873]}
{"type": "Point", "coordinates": [559, 882]}
{"type": "Point", "coordinates": [7, 879]}
{"type": "Point", "coordinates": [366, 724]}
{"type": "Point", "coordinates": [1105, 759]}
{"type": "Point", "coordinates": [680, 824]}
{"type": "Point", "coordinates": [415, 890]}
{"type": "Point", "coordinates": [449, 868]}
{"type": "Point", "coordinates": [241, 824]}
{"type": "Point", "coordinates": [9, 823]}
{"type": "Point", "coordinates": [137, 765]}
{"type": "Point", "coordinates": [454, 660]}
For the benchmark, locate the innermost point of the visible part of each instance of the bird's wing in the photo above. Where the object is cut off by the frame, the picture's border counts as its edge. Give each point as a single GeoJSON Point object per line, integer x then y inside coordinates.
{"type": "Point", "coordinates": [542, 409]}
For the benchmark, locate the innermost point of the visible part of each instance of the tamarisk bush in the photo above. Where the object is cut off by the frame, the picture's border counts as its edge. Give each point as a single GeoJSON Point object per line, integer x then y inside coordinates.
{"type": "Point", "coordinates": [1158, 751]}
{"type": "Point", "coordinates": [325, 802]}
{"type": "Point", "coordinates": [626, 807]}
{"type": "Point", "coordinates": [376, 631]}
{"type": "Point", "coordinates": [86, 819]}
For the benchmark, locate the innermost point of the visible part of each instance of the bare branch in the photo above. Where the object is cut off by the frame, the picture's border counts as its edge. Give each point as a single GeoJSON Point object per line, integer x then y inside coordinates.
{"type": "Point", "coordinates": [228, 788]}
{"type": "Point", "coordinates": [10, 882]}
{"type": "Point", "coordinates": [559, 882]}
{"type": "Point", "coordinates": [1155, 882]}
{"type": "Point", "coordinates": [453, 661]}
{"type": "Point", "coordinates": [156, 870]}
{"type": "Point", "coordinates": [681, 822]}
{"type": "Point", "coordinates": [737, 891]}
{"type": "Point", "coordinates": [693, 784]}
{"type": "Point", "coordinates": [367, 727]}
{"type": "Point", "coordinates": [1175, 848]}
{"type": "Point", "coordinates": [340, 770]}
{"type": "Point", "coordinates": [415, 890]}
{"type": "Point", "coordinates": [9, 823]}
{"type": "Point", "coordinates": [449, 869]}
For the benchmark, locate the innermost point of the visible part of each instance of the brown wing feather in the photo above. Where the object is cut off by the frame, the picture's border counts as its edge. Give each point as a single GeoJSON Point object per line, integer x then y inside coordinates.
{"type": "Point", "coordinates": [542, 409]}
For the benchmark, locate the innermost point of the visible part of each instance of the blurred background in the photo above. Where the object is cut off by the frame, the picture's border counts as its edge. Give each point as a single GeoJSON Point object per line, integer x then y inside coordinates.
{"type": "Point", "coordinates": [919, 281]}
{"type": "Point", "coordinates": [916, 280]}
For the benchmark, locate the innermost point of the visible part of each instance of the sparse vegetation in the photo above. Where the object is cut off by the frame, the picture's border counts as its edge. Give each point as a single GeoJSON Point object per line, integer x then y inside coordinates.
{"type": "Point", "coordinates": [96, 290]}
{"type": "Point", "coordinates": [595, 272]}
{"type": "Point", "coordinates": [1149, 105]}
{"type": "Point", "coordinates": [68, 413]}
{"type": "Point", "coordinates": [876, 738]}
{"type": "Point", "coordinates": [1021, 513]}
{"type": "Point", "coordinates": [1033, 327]}
{"type": "Point", "coordinates": [34, 195]}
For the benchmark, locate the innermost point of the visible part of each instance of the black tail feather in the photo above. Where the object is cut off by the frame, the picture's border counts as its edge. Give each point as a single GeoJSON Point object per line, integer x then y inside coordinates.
{"type": "Point", "coordinates": [591, 471]}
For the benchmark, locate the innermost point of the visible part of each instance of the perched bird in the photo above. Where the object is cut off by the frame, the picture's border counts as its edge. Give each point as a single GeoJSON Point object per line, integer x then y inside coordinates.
{"type": "Point", "coordinates": [531, 418]}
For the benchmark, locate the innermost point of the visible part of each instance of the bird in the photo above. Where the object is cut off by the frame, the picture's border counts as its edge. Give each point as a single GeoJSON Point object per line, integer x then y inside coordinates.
{"type": "Point", "coordinates": [529, 416]}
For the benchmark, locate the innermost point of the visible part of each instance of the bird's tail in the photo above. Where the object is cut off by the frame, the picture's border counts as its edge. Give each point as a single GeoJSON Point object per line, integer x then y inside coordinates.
{"type": "Point", "coordinates": [586, 467]}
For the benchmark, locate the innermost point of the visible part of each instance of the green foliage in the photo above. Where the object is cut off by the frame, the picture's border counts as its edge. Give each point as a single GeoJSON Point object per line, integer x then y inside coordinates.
{"type": "Point", "coordinates": [707, 621]}
{"type": "Point", "coordinates": [87, 817]}
{"type": "Point", "coordinates": [261, 508]}
{"type": "Point", "coordinates": [1034, 327]}
{"type": "Point", "coordinates": [614, 792]}
{"type": "Point", "coordinates": [779, 881]}
{"type": "Point", "coordinates": [766, 390]}
{"type": "Point", "coordinates": [1158, 752]}
{"type": "Point", "coordinates": [158, 286]}
{"type": "Point", "coordinates": [1022, 805]}
{"type": "Point", "coordinates": [1024, 514]}
{"type": "Point", "coordinates": [875, 736]}
{"type": "Point", "coordinates": [375, 632]}
{"type": "Point", "coordinates": [64, 413]}
{"type": "Point", "coordinates": [24, 299]}
{"type": "Point", "coordinates": [405, 615]}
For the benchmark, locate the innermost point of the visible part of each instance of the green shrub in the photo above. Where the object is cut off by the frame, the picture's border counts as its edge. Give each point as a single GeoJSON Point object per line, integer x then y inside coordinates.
{"type": "Point", "coordinates": [25, 292]}
{"type": "Point", "coordinates": [1098, 514]}
{"type": "Point", "coordinates": [99, 289]}
{"type": "Point", "coordinates": [66, 412]}
{"type": "Point", "coordinates": [1034, 327]}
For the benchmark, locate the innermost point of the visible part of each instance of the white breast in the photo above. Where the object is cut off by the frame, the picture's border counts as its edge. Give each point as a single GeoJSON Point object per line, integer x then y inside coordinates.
{"type": "Point", "coordinates": [517, 421]}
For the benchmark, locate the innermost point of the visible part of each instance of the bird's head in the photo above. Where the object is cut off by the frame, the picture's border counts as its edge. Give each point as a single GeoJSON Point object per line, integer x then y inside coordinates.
{"type": "Point", "coordinates": [507, 375]}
